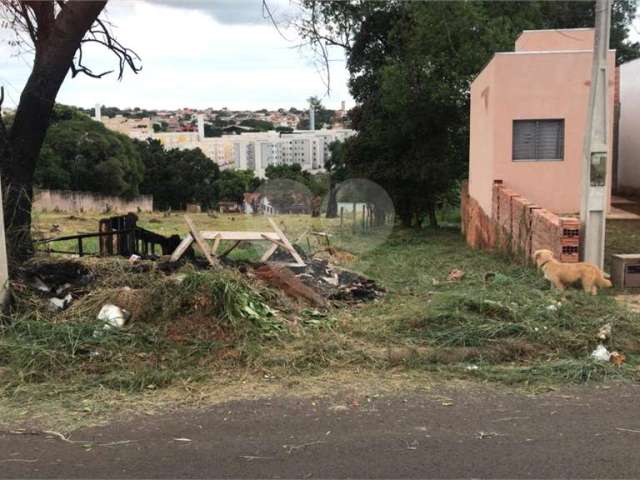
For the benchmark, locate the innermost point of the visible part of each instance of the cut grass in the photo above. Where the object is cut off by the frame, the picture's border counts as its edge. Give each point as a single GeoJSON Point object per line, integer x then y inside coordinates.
{"type": "Point", "coordinates": [513, 330]}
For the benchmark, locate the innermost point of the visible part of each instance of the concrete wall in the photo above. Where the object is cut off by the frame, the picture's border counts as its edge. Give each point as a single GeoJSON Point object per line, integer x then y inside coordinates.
{"type": "Point", "coordinates": [70, 201]}
{"type": "Point", "coordinates": [532, 85]}
{"type": "Point", "coordinates": [629, 128]}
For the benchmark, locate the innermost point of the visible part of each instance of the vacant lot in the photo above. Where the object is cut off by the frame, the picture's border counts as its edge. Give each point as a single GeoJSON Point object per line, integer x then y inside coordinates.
{"type": "Point", "coordinates": [501, 322]}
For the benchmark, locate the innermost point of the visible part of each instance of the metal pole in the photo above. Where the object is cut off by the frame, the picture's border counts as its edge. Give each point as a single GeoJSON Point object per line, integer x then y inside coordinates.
{"type": "Point", "coordinates": [594, 171]}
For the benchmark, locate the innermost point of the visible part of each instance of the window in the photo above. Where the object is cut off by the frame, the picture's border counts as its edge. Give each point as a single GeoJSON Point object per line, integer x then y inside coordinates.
{"type": "Point", "coordinates": [535, 140]}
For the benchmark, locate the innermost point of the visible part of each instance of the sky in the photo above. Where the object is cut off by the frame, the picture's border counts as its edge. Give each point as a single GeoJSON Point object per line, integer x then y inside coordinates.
{"type": "Point", "coordinates": [199, 54]}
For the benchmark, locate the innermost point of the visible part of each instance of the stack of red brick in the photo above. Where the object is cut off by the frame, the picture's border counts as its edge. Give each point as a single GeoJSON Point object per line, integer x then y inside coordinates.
{"type": "Point", "coordinates": [518, 225]}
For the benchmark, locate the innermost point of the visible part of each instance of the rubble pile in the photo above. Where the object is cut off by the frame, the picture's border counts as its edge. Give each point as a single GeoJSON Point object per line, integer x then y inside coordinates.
{"type": "Point", "coordinates": [59, 282]}
{"type": "Point", "coordinates": [336, 283]}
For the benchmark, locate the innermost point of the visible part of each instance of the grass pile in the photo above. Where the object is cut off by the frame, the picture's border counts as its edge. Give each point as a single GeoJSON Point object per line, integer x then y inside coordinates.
{"type": "Point", "coordinates": [183, 325]}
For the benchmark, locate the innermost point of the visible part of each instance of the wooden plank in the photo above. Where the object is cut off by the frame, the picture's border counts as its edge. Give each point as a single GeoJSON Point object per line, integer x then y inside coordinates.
{"type": "Point", "coordinates": [216, 244]}
{"type": "Point", "coordinates": [209, 235]}
{"type": "Point", "coordinates": [302, 236]}
{"type": "Point", "coordinates": [270, 251]}
{"type": "Point", "coordinates": [285, 240]}
{"type": "Point", "coordinates": [230, 249]}
{"type": "Point", "coordinates": [200, 242]}
{"type": "Point", "coordinates": [278, 243]}
{"type": "Point", "coordinates": [180, 249]}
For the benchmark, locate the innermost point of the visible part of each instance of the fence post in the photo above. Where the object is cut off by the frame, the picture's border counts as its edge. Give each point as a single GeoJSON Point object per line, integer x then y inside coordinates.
{"type": "Point", "coordinates": [341, 217]}
{"type": "Point", "coordinates": [354, 221]}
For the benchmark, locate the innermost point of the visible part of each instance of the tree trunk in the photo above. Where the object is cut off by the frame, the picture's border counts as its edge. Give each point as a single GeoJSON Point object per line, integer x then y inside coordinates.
{"type": "Point", "coordinates": [58, 40]}
{"type": "Point", "coordinates": [433, 218]}
{"type": "Point", "coordinates": [332, 204]}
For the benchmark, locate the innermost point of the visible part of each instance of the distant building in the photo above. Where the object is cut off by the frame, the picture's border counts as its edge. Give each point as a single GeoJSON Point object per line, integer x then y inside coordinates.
{"type": "Point", "coordinates": [243, 148]}
{"type": "Point", "coordinates": [139, 128]}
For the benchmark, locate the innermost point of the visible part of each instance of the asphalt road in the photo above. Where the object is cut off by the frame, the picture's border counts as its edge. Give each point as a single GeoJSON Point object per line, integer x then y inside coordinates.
{"type": "Point", "coordinates": [579, 433]}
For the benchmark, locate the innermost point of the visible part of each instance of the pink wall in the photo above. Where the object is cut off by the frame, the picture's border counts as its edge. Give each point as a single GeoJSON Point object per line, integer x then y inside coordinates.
{"type": "Point", "coordinates": [532, 86]}
{"type": "Point", "coordinates": [481, 174]}
{"type": "Point", "coordinates": [550, 40]}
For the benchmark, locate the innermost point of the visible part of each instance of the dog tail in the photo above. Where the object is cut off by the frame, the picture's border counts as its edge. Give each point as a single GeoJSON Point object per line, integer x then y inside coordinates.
{"type": "Point", "coordinates": [604, 283]}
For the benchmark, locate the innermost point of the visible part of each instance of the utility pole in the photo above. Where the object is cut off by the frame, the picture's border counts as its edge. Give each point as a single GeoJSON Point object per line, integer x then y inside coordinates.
{"type": "Point", "coordinates": [4, 267]}
{"type": "Point", "coordinates": [593, 209]}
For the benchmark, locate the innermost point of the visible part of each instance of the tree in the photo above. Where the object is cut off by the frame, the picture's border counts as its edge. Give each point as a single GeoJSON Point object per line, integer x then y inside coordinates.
{"type": "Point", "coordinates": [177, 177]}
{"type": "Point", "coordinates": [56, 32]}
{"type": "Point", "coordinates": [233, 184]}
{"type": "Point", "coordinates": [258, 125]}
{"type": "Point", "coordinates": [211, 131]}
{"type": "Point", "coordinates": [81, 154]}
{"type": "Point", "coordinates": [315, 183]}
{"type": "Point", "coordinates": [411, 65]}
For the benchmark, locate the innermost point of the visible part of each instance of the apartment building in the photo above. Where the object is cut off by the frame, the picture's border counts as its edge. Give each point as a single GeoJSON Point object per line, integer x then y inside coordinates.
{"type": "Point", "coordinates": [309, 149]}
{"type": "Point", "coordinates": [248, 151]}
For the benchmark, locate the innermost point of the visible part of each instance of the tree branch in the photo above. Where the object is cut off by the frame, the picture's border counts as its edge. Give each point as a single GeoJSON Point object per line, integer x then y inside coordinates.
{"type": "Point", "coordinates": [101, 34]}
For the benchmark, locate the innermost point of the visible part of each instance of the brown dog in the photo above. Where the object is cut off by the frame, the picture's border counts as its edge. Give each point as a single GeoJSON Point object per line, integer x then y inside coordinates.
{"type": "Point", "coordinates": [564, 274]}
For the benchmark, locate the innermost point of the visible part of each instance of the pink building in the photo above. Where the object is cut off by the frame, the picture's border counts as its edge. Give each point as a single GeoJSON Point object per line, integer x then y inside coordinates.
{"type": "Point", "coordinates": [528, 120]}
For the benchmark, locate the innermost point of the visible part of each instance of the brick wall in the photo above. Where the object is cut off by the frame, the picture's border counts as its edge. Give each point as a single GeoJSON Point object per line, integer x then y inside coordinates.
{"type": "Point", "coordinates": [517, 225]}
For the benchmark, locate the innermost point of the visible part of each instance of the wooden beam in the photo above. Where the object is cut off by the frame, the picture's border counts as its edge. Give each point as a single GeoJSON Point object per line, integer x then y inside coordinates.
{"type": "Point", "coordinates": [277, 243]}
{"type": "Point", "coordinates": [200, 242]}
{"type": "Point", "coordinates": [180, 249]}
{"type": "Point", "coordinates": [270, 251]}
{"type": "Point", "coordinates": [229, 250]}
{"type": "Point", "coordinates": [216, 244]}
{"type": "Point", "coordinates": [285, 240]}
{"type": "Point", "coordinates": [209, 235]}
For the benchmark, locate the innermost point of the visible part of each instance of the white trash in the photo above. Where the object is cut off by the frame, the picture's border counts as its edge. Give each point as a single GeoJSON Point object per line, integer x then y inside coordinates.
{"type": "Point", "coordinates": [60, 303]}
{"type": "Point", "coordinates": [604, 332]}
{"type": "Point", "coordinates": [38, 284]}
{"type": "Point", "coordinates": [134, 258]}
{"type": "Point", "coordinates": [113, 316]}
{"type": "Point", "coordinates": [601, 353]}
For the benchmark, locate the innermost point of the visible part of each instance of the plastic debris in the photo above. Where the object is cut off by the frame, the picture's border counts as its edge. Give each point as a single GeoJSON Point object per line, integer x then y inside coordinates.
{"type": "Point", "coordinates": [604, 332]}
{"type": "Point", "coordinates": [455, 275]}
{"type": "Point", "coordinates": [60, 303]}
{"type": "Point", "coordinates": [63, 288]}
{"type": "Point", "coordinates": [333, 280]}
{"type": "Point", "coordinates": [339, 408]}
{"type": "Point", "coordinates": [134, 258]}
{"type": "Point", "coordinates": [472, 367]}
{"type": "Point", "coordinates": [601, 353]}
{"type": "Point", "coordinates": [113, 316]}
{"type": "Point", "coordinates": [39, 285]}
{"type": "Point", "coordinates": [617, 358]}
